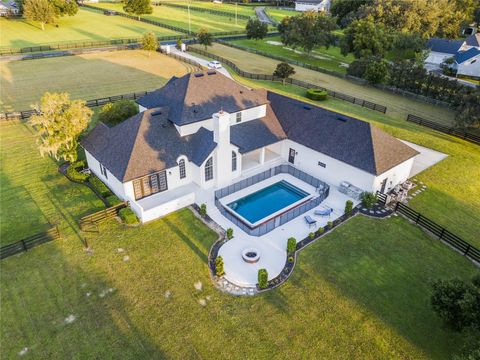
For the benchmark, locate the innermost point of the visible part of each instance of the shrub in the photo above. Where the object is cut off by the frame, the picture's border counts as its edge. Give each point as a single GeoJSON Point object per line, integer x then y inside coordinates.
{"type": "Point", "coordinates": [128, 216]}
{"type": "Point", "coordinates": [320, 231]}
{"type": "Point", "coordinates": [203, 210]}
{"type": "Point", "coordinates": [219, 270]}
{"type": "Point", "coordinates": [348, 206]}
{"type": "Point", "coordinates": [317, 94]}
{"type": "Point", "coordinates": [311, 235]}
{"type": "Point", "coordinates": [74, 173]}
{"type": "Point", "coordinates": [330, 224]}
{"type": "Point", "coordinates": [291, 245]}
{"type": "Point", "coordinates": [229, 233]}
{"type": "Point", "coordinates": [113, 200]}
{"type": "Point", "coordinates": [262, 278]}
{"type": "Point", "coordinates": [114, 113]}
{"type": "Point", "coordinates": [290, 259]}
{"type": "Point", "coordinates": [368, 199]}
{"type": "Point", "coordinates": [99, 186]}
{"type": "Point", "coordinates": [179, 44]}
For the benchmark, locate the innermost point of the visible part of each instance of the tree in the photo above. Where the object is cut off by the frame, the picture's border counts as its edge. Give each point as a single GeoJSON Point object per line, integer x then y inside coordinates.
{"type": "Point", "coordinates": [411, 44]}
{"type": "Point", "coordinates": [364, 38]}
{"type": "Point", "coordinates": [137, 7]}
{"type": "Point", "coordinates": [376, 70]}
{"type": "Point", "coordinates": [345, 10]}
{"type": "Point", "coordinates": [39, 10]}
{"type": "Point", "coordinates": [284, 71]}
{"type": "Point", "coordinates": [308, 30]}
{"type": "Point", "coordinates": [59, 122]}
{"type": "Point", "coordinates": [149, 42]}
{"type": "Point", "coordinates": [64, 7]}
{"type": "Point", "coordinates": [457, 303]}
{"type": "Point", "coordinates": [204, 38]}
{"type": "Point", "coordinates": [115, 113]}
{"type": "Point", "coordinates": [256, 29]}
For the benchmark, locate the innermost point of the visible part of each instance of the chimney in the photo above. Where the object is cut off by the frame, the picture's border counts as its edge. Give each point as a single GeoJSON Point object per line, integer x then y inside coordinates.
{"type": "Point", "coordinates": [221, 129]}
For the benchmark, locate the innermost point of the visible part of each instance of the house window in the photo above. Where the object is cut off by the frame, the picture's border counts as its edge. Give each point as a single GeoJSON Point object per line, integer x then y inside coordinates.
{"type": "Point", "coordinates": [103, 170]}
{"type": "Point", "coordinates": [239, 117]}
{"type": "Point", "coordinates": [150, 184]}
{"type": "Point", "coordinates": [322, 164]}
{"type": "Point", "coordinates": [234, 161]}
{"type": "Point", "coordinates": [209, 169]}
{"type": "Point", "coordinates": [181, 165]}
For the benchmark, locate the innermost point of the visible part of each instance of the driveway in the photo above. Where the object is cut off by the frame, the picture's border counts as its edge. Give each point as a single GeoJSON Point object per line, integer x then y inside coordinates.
{"type": "Point", "coordinates": [262, 16]}
{"type": "Point", "coordinates": [197, 59]}
{"type": "Point", "coordinates": [425, 159]}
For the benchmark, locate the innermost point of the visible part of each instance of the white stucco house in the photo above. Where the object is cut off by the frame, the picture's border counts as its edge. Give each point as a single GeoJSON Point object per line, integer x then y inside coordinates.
{"type": "Point", "coordinates": [467, 63]}
{"type": "Point", "coordinates": [312, 5]}
{"type": "Point", "coordinates": [203, 131]}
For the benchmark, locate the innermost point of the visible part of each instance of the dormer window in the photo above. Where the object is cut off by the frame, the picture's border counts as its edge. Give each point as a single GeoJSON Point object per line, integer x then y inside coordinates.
{"type": "Point", "coordinates": [239, 116]}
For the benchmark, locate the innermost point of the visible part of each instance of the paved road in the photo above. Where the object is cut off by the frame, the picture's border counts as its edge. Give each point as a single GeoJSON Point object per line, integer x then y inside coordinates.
{"type": "Point", "coordinates": [260, 11]}
{"type": "Point", "coordinates": [199, 60]}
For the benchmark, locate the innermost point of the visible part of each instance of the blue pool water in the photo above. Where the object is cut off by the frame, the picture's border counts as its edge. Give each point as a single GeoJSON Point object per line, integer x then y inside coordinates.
{"type": "Point", "coordinates": [267, 201]}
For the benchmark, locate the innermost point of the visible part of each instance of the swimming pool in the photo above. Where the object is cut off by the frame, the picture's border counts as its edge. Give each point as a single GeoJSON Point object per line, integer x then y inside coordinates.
{"type": "Point", "coordinates": [267, 201]}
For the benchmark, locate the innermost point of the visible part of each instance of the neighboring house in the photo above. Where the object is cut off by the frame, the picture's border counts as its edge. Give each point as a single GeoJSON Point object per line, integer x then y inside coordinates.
{"type": "Point", "coordinates": [472, 41]}
{"type": "Point", "coordinates": [442, 49]}
{"type": "Point", "coordinates": [312, 5]}
{"type": "Point", "coordinates": [467, 63]}
{"type": "Point", "coordinates": [204, 131]}
{"type": "Point", "coordinates": [8, 10]}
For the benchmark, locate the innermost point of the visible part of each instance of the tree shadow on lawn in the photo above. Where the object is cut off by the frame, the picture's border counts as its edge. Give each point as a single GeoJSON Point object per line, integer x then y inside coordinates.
{"type": "Point", "coordinates": [66, 312]}
{"type": "Point", "coordinates": [387, 267]}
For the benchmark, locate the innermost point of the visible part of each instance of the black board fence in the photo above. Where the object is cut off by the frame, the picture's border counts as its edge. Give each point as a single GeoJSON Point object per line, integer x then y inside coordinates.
{"type": "Point", "coordinates": [303, 84]}
{"type": "Point", "coordinates": [445, 129]}
{"type": "Point", "coordinates": [163, 25]}
{"type": "Point", "coordinates": [204, 10]}
{"type": "Point", "coordinates": [439, 231]}
{"type": "Point", "coordinates": [88, 222]}
{"type": "Point", "coordinates": [25, 114]}
{"type": "Point", "coordinates": [29, 242]}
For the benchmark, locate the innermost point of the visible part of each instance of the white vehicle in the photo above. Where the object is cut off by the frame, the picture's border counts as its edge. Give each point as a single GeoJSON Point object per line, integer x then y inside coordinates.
{"type": "Point", "coordinates": [214, 65]}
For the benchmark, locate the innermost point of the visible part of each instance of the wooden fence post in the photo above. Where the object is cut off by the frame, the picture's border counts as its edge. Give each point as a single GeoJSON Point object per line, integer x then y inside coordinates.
{"type": "Point", "coordinates": [441, 234]}
{"type": "Point", "coordinates": [24, 245]}
{"type": "Point", "coordinates": [418, 218]}
{"type": "Point", "coordinates": [468, 249]}
{"type": "Point", "coordinates": [396, 206]}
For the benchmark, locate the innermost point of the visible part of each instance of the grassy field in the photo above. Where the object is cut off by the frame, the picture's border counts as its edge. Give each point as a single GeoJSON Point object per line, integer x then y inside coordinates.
{"type": "Point", "coordinates": [330, 58]}
{"type": "Point", "coordinates": [86, 25]}
{"type": "Point", "coordinates": [279, 14]}
{"type": "Point", "coordinates": [241, 10]}
{"type": "Point", "coordinates": [362, 291]}
{"type": "Point", "coordinates": [398, 106]}
{"type": "Point", "coordinates": [34, 195]}
{"type": "Point", "coordinates": [86, 76]}
{"type": "Point", "coordinates": [453, 195]}
{"type": "Point", "coordinates": [179, 18]}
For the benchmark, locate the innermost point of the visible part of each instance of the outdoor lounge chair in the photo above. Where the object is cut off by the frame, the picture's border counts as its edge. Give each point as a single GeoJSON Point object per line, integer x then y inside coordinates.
{"type": "Point", "coordinates": [325, 212]}
{"type": "Point", "coordinates": [311, 222]}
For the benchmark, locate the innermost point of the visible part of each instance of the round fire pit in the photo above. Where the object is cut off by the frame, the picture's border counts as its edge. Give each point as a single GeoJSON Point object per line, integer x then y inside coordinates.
{"type": "Point", "coordinates": [251, 255]}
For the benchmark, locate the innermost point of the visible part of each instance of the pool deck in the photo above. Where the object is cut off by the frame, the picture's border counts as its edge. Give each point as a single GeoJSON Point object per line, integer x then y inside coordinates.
{"type": "Point", "coordinates": [271, 246]}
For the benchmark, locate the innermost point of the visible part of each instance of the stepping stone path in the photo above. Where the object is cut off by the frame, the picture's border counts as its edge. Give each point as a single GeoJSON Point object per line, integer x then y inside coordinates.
{"type": "Point", "coordinates": [234, 289]}
{"type": "Point", "coordinates": [168, 293]}
{"type": "Point", "coordinates": [23, 351]}
{"type": "Point", "coordinates": [126, 258]}
{"type": "Point", "coordinates": [71, 318]}
{"type": "Point", "coordinates": [202, 302]}
{"type": "Point", "coordinates": [198, 285]}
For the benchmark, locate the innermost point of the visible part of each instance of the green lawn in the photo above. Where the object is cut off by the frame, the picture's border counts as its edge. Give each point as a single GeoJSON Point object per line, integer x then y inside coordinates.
{"type": "Point", "coordinates": [87, 76]}
{"type": "Point", "coordinates": [231, 8]}
{"type": "Point", "coordinates": [360, 292]}
{"type": "Point", "coordinates": [398, 106]}
{"type": "Point", "coordinates": [179, 18]}
{"type": "Point", "coordinates": [279, 14]}
{"type": "Point", "coordinates": [86, 25]}
{"type": "Point", "coordinates": [329, 59]}
{"type": "Point", "coordinates": [34, 195]}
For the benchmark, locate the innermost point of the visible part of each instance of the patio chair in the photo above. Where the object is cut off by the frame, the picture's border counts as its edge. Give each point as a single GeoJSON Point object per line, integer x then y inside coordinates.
{"type": "Point", "coordinates": [324, 212]}
{"type": "Point", "coordinates": [311, 222]}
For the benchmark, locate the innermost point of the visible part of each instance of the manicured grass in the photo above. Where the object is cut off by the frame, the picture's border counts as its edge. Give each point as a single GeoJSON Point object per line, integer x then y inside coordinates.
{"type": "Point", "coordinates": [34, 195]}
{"type": "Point", "coordinates": [398, 106]}
{"type": "Point", "coordinates": [453, 195]}
{"type": "Point", "coordinates": [86, 25]}
{"type": "Point", "coordinates": [231, 8]}
{"type": "Point", "coordinates": [179, 18]}
{"type": "Point", "coordinates": [329, 59]}
{"type": "Point", "coordinates": [362, 292]}
{"type": "Point", "coordinates": [86, 76]}
{"type": "Point", "coordinates": [279, 14]}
